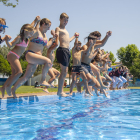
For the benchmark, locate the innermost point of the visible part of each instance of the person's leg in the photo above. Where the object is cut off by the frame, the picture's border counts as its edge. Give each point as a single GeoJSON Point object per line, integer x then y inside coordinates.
{"type": "Point", "coordinates": [85, 80]}
{"type": "Point", "coordinates": [96, 71]}
{"type": "Point", "coordinates": [15, 64]}
{"type": "Point", "coordinates": [80, 84]}
{"type": "Point", "coordinates": [73, 82]}
{"type": "Point", "coordinates": [120, 83]}
{"type": "Point", "coordinates": [53, 73]}
{"type": "Point", "coordinates": [31, 68]}
{"type": "Point", "coordinates": [64, 70]}
{"type": "Point", "coordinates": [56, 73]}
{"type": "Point", "coordinates": [115, 82]}
{"type": "Point", "coordinates": [2, 89]}
{"type": "Point", "coordinates": [33, 58]}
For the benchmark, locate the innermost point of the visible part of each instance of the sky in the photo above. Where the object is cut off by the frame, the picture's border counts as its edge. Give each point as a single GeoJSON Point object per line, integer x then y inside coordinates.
{"type": "Point", "coordinates": [122, 17]}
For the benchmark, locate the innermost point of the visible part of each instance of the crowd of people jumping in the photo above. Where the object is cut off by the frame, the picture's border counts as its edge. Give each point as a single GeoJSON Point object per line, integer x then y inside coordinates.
{"type": "Point", "coordinates": [90, 63]}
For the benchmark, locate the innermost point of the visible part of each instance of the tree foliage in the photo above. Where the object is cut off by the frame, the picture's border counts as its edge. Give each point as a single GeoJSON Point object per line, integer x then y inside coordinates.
{"type": "Point", "coordinates": [5, 68]}
{"type": "Point", "coordinates": [4, 51]}
{"type": "Point", "coordinates": [135, 69]}
{"type": "Point", "coordinates": [130, 57]}
{"type": "Point", "coordinates": [111, 56]}
{"type": "Point", "coordinates": [8, 3]}
{"type": "Point", "coordinates": [127, 54]}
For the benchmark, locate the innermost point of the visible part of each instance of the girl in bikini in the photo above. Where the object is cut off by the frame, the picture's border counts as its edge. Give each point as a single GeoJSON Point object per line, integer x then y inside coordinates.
{"type": "Point", "coordinates": [34, 54]}
{"type": "Point", "coordinates": [20, 43]}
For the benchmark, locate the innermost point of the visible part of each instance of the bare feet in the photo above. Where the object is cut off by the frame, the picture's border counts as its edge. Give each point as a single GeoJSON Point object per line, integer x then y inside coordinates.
{"type": "Point", "coordinates": [63, 94]}
{"type": "Point", "coordinates": [89, 93]}
{"type": "Point", "coordinates": [44, 83]}
{"type": "Point", "coordinates": [46, 90]}
{"type": "Point", "coordinates": [105, 93]}
{"type": "Point", "coordinates": [14, 94]}
{"type": "Point", "coordinates": [2, 91]}
{"type": "Point", "coordinates": [8, 90]}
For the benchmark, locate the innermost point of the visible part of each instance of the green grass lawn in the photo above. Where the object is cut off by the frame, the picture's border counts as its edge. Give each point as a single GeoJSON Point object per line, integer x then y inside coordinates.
{"type": "Point", "coordinates": [31, 89]}
{"type": "Point", "coordinates": [134, 87]}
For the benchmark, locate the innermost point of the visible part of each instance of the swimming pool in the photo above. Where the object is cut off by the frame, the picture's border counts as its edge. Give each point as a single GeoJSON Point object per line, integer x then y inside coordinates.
{"type": "Point", "coordinates": [79, 117]}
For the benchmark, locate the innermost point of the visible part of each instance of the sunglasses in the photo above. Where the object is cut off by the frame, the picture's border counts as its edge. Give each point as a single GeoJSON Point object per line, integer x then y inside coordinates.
{"type": "Point", "coordinates": [4, 26]}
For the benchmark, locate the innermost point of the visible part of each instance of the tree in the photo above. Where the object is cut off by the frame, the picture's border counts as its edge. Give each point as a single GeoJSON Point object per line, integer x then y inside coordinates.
{"type": "Point", "coordinates": [4, 51]}
{"type": "Point", "coordinates": [135, 69]}
{"type": "Point", "coordinates": [5, 68]}
{"type": "Point", "coordinates": [111, 56]}
{"type": "Point", "coordinates": [7, 3]}
{"type": "Point", "coordinates": [128, 54]}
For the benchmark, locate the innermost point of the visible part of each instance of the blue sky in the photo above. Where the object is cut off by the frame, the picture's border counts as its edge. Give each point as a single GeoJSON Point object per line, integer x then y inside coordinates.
{"type": "Point", "coordinates": [122, 17]}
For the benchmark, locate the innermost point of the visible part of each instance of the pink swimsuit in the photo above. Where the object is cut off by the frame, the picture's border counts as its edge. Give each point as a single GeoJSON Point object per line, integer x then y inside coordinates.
{"type": "Point", "coordinates": [22, 44]}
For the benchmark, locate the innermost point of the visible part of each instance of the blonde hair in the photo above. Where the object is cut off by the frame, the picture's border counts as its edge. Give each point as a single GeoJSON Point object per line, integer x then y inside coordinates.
{"type": "Point", "coordinates": [3, 20]}
{"type": "Point", "coordinates": [64, 15]}
{"type": "Point", "coordinates": [44, 20]}
{"type": "Point", "coordinates": [25, 27]}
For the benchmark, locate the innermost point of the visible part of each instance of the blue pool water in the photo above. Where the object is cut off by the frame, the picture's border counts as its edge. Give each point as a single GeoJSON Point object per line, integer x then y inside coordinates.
{"type": "Point", "coordinates": [72, 118]}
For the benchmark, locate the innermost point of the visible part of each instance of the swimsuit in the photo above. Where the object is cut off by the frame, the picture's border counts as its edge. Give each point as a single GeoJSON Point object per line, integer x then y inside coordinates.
{"type": "Point", "coordinates": [63, 56]}
{"type": "Point", "coordinates": [76, 69]}
{"type": "Point", "coordinates": [39, 40]}
{"type": "Point", "coordinates": [14, 54]}
{"type": "Point", "coordinates": [22, 44]}
{"type": "Point", "coordinates": [86, 68]}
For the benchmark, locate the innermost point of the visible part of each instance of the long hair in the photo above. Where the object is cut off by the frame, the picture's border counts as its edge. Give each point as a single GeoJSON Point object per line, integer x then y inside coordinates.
{"type": "Point", "coordinates": [25, 27]}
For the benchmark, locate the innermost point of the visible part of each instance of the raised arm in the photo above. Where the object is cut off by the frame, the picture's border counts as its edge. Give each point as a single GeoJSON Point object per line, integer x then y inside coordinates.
{"type": "Point", "coordinates": [54, 45]}
{"type": "Point", "coordinates": [102, 43]}
{"type": "Point", "coordinates": [76, 43]}
{"type": "Point", "coordinates": [4, 38]}
{"type": "Point", "coordinates": [52, 40]}
{"type": "Point", "coordinates": [37, 25]}
{"type": "Point", "coordinates": [105, 55]}
{"type": "Point", "coordinates": [37, 19]}
{"type": "Point", "coordinates": [73, 37]}
{"type": "Point", "coordinates": [13, 43]}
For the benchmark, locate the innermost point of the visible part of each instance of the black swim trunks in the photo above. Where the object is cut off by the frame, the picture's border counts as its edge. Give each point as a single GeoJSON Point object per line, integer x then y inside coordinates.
{"type": "Point", "coordinates": [63, 56]}
{"type": "Point", "coordinates": [76, 69]}
{"type": "Point", "coordinates": [86, 68]}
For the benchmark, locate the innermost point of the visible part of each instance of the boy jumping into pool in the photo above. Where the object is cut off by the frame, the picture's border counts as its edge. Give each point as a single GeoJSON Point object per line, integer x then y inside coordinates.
{"type": "Point", "coordinates": [63, 54]}
{"type": "Point", "coordinates": [76, 68]}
